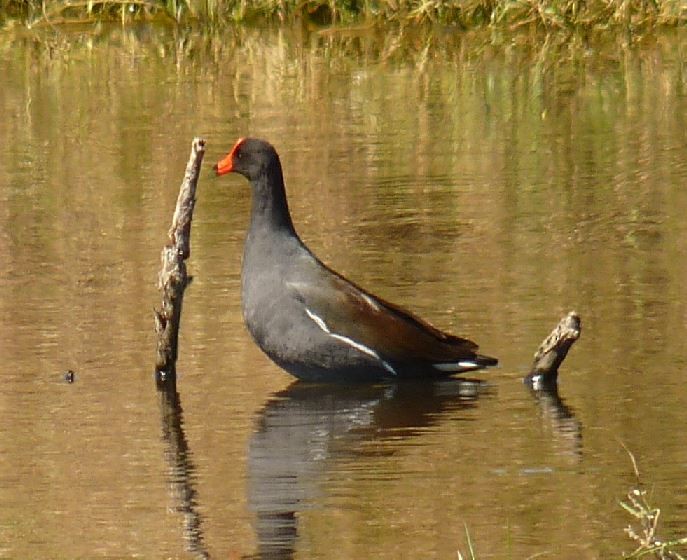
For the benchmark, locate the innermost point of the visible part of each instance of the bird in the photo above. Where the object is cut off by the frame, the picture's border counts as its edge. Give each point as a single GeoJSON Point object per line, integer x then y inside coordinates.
{"type": "Point", "coordinates": [310, 320]}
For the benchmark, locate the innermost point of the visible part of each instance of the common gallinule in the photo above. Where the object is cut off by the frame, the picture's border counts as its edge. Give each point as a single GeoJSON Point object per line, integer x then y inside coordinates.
{"type": "Point", "coordinates": [309, 319]}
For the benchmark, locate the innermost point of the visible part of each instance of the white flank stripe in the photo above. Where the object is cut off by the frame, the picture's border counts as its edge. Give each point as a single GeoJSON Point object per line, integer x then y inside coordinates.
{"type": "Point", "coordinates": [357, 345]}
{"type": "Point", "coordinates": [372, 303]}
{"type": "Point", "coordinates": [388, 367]}
{"type": "Point", "coordinates": [318, 320]}
{"type": "Point", "coordinates": [364, 349]}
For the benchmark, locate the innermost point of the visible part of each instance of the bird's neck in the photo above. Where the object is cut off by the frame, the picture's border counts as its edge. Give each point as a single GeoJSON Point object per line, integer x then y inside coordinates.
{"type": "Point", "coordinates": [270, 209]}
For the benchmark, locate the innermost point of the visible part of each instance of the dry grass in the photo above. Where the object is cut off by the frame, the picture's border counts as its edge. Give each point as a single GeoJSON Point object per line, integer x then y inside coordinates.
{"type": "Point", "coordinates": [644, 529]}
{"type": "Point", "coordinates": [548, 14]}
{"type": "Point", "coordinates": [471, 551]}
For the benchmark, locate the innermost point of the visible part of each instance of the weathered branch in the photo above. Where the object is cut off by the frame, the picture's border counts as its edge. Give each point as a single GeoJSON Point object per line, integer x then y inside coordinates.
{"type": "Point", "coordinates": [553, 350]}
{"type": "Point", "coordinates": [173, 277]}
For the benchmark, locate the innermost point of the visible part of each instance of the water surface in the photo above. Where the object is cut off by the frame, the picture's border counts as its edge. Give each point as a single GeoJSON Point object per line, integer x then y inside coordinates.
{"type": "Point", "coordinates": [490, 189]}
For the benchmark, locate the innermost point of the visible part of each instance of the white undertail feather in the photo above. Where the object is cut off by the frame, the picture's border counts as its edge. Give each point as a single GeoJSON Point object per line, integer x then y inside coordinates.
{"type": "Point", "coordinates": [456, 366]}
{"type": "Point", "coordinates": [357, 345]}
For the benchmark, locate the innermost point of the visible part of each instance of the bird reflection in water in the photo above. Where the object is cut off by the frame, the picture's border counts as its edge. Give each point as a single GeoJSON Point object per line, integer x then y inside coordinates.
{"type": "Point", "coordinates": [303, 429]}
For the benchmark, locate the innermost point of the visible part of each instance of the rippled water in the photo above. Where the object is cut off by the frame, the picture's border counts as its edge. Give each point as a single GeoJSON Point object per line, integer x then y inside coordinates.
{"type": "Point", "coordinates": [489, 188]}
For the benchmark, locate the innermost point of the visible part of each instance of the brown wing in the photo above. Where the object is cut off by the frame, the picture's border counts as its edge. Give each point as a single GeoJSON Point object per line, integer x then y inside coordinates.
{"type": "Point", "coordinates": [393, 332]}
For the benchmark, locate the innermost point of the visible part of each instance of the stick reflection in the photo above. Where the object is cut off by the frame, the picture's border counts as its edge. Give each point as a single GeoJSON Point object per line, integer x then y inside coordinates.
{"type": "Point", "coordinates": [566, 428]}
{"type": "Point", "coordinates": [181, 468]}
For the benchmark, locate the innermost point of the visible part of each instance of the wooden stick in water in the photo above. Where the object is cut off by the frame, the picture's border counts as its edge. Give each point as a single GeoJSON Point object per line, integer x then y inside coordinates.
{"type": "Point", "coordinates": [552, 352]}
{"type": "Point", "coordinates": [173, 277]}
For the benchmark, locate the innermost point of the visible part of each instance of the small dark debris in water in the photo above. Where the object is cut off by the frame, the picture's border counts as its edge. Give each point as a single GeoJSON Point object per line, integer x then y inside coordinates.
{"type": "Point", "coordinates": [69, 376]}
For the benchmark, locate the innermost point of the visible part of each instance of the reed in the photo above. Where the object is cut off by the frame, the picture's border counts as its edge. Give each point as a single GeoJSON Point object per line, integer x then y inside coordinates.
{"type": "Point", "coordinates": [465, 14]}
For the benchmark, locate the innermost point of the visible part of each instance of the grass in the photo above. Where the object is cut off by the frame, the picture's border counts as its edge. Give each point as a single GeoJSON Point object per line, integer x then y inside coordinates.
{"type": "Point", "coordinates": [471, 550]}
{"type": "Point", "coordinates": [644, 529]}
{"type": "Point", "coordinates": [461, 14]}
